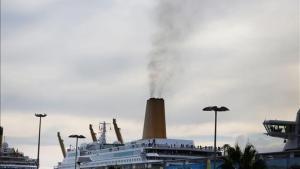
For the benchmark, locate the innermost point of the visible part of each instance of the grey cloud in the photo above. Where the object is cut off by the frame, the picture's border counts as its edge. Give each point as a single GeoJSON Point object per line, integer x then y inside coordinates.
{"type": "Point", "coordinates": [252, 69]}
{"type": "Point", "coordinates": [90, 59]}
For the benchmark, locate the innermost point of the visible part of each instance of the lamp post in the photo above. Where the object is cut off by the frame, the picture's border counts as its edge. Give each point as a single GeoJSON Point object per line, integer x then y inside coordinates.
{"type": "Point", "coordinates": [39, 139]}
{"type": "Point", "coordinates": [77, 137]}
{"type": "Point", "coordinates": [215, 109]}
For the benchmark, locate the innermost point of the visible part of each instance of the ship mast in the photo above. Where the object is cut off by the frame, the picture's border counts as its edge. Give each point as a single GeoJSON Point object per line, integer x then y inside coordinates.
{"type": "Point", "coordinates": [102, 128]}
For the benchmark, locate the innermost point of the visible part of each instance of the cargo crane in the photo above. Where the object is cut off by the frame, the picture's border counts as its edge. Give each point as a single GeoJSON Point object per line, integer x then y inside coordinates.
{"type": "Point", "coordinates": [62, 146]}
{"type": "Point", "coordinates": [93, 134]}
{"type": "Point", "coordinates": [118, 133]}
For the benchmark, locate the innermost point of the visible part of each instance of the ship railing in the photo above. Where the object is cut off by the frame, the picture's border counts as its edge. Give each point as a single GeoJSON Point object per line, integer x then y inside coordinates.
{"type": "Point", "coordinates": [151, 145]}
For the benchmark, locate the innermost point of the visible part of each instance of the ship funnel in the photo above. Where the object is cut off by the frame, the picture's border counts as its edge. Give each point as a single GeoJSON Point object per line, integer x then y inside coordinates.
{"type": "Point", "coordinates": [1, 136]}
{"type": "Point", "coordinates": [155, 123]}
{"type": "Point", "coordinates": [93, 134]}
{"type": "Point", "coordinates": [62, 145]}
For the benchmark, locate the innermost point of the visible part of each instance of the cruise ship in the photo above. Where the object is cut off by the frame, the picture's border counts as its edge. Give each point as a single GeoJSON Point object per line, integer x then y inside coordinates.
{"type": "Point", "coordinates": [13, 159]}
{"type": "Point", "coordinates": [154, 150]}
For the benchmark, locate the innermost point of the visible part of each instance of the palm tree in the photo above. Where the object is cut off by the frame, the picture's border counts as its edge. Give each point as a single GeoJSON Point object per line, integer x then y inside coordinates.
{"type": "Point", "coordinates": [235, 158]}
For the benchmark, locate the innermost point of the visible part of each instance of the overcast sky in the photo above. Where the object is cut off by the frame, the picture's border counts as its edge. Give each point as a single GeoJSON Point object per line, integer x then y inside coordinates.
{"type": "Point", "coordinates": [84, 62]}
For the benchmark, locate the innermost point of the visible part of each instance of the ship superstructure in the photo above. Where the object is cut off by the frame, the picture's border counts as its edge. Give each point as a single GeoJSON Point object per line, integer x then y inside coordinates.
{"type": "Point", "coordinates": [287, 130]}
{"type": "Point", "coordinates": [13, 159]}
{"type": "Point", "coordinates": [142, 154]}
{"type": "Point", "coordinates": [152, 151]}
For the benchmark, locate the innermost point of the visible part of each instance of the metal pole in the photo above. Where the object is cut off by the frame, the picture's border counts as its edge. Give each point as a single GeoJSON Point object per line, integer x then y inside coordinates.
{"type": "Point", "coordinates": [76, 151]}
{"type": "Point", "coordinates": [215, 109]}
{"type": "Point", "coordinates": [38, 154]}
{"type": "Point", "coordinates": [215, 141]}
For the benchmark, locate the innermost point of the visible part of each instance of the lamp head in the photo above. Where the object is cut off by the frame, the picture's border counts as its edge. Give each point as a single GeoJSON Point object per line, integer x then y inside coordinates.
{"type": "Point", "coordinates": [208, 108]}
{"type": "Point", "coordinates": [81, 136]}
{"type": "Point", "coordinates": [215, 108]}
{"type": "Point", "coordinates": [73, 136]}
{"type": "Point", "coordinates": [41, 115]}
{"type": "Point", "coordinates": [223, 109]}
{"type": "Point", "coordinates": [76, 136]}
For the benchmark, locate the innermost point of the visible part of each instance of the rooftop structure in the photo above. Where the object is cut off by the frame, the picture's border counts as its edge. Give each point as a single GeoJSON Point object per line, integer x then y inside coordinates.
{"type": "Point", "coordinates": [287, 130]}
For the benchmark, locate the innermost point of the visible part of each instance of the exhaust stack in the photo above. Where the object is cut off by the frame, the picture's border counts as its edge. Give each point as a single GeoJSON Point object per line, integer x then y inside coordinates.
{"type": "Point", "coordinates": [62, 145]}
{"type": "Point", "coordinates": [1, 136]}
{"type": "Point", "coordinates": [155, 123]}
{"type": "Point", "coordinates": [93, 134]}
{"type": "Point", "coordinates": [118, 132]}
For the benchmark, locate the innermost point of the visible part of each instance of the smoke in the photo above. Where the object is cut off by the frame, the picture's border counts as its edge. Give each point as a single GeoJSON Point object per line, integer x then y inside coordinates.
{"type": "Point", "coordinates": [174, 20]}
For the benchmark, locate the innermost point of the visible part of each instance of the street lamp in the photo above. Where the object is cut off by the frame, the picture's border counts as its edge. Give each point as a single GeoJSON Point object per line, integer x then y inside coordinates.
{"type": "Point", "coordinates": [38, 154]}
{"type": "Point", "coordinates": [77, 137]}
{"type": "Point", "coordinates": [215, 109]}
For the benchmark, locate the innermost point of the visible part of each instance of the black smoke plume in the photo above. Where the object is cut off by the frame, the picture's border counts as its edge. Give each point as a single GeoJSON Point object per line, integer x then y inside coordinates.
{"type": "Point", "coordinates": [174, 20]}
